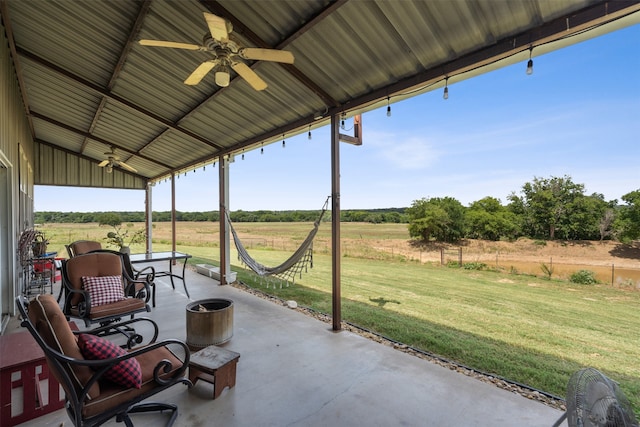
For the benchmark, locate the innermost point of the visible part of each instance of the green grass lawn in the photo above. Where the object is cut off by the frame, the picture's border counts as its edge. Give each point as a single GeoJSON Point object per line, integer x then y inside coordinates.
{"type": "Point", "coordinates": [529, 330]}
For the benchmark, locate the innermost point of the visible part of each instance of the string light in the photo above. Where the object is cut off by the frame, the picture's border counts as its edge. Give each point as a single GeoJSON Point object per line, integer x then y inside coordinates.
{"type": "Point", "coordinates": [283, 143]}
{"type": "Point", "coordinates": [309, 133]}
{"type": "Point", "coordinates": [388, 108]}
{"type": "Point", "coordinates": [530, 62]}
{"type": "Point", "coordinates": [445, 95]}
{"type": "Point", "coordinates": [342, 117]}
{"type": "Point", "coordinates": [242, 154]}
{"type": "Point", "coordinates": [261, 149]}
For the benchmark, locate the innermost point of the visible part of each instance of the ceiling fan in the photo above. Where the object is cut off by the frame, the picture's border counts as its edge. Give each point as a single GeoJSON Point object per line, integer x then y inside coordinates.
{"type": "Point", "coordinates": [226, 54]}
{"type": "Point", "coordinates": [113, 160]}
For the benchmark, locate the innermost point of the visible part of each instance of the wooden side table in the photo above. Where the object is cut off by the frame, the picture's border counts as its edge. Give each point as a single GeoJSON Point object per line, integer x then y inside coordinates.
{"type": "Point", "coordinates": [22, 364]}
{"type": "Point", "coordinates": [214, 365]}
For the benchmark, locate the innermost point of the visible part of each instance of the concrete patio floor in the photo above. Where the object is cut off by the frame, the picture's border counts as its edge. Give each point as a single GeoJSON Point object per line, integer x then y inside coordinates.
{"type": "Point", "coordinates": [295, 371]}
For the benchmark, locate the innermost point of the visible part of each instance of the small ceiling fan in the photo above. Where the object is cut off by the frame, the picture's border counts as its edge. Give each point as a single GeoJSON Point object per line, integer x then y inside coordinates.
{"type": "Point", "coordinates": [226, 54]}
{"type": "Point", "coordinates": [113, 160]}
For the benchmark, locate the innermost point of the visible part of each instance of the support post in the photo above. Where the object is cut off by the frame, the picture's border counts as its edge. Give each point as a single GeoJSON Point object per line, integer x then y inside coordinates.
{"type": "Point", "coordinates": [335, 222]}
{"type": "Point", "coordinates": [148, 205]}
{"type": "Point", "coordinates": [173, 212]}
{"type": "Point", "coordinates": [223, 182]}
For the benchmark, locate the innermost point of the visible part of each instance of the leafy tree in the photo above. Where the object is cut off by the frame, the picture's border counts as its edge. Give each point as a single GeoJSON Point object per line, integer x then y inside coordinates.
{"type": "Point", "coordinates": [437, 218]}
{"type": "Point", "coordinates": [545, 206]}
{"type": "Point", "coordinates": [583, 218]}
{"type": "Point", "coordinates": [627, 224]}
{"type": "Point", "coordinates": [488, 219]}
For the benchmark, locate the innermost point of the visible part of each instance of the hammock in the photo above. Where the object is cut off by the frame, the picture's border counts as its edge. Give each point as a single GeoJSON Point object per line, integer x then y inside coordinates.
{"type": "Point", "coordinates": [302, 258]}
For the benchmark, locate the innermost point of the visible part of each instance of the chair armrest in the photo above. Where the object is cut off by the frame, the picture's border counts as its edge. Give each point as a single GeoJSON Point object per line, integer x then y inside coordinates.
{"type": "Point", "coordinates": [84, 306]}
{"type": "Point", "coordinates": [140, 289]}
{"type": "Point", "coordinates": [149, 273]}
{"type": "Point", "coordinates": [134, 338]}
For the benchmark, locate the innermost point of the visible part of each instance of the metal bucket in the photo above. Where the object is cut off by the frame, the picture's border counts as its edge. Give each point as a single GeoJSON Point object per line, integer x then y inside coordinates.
{"type": "Point", "coordinates": [211, 327]}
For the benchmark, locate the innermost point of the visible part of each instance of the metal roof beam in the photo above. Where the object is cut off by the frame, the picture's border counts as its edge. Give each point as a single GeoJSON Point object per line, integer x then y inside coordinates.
{"type": "Point", "coordinates": [95, 138]}
{"type": "Point", "coordinates": [106, 93]}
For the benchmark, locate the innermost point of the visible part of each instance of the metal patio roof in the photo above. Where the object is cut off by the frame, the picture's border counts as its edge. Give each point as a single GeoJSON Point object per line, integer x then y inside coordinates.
{"type": "Point", "coordinates": [88, 85]}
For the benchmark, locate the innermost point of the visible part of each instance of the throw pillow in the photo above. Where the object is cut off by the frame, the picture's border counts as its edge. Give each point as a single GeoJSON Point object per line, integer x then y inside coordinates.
{"type": "Point", "coordinates": [103, 289]}
{"type": "Point", "coordinates": [127, 373]}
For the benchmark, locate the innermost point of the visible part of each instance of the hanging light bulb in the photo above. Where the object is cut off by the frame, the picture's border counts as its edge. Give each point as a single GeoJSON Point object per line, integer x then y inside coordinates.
{"type": "Point", "coordinates": [242, 154]}
{"type": "Point", "coordinates": [222, 77]}
{"type": "Point", "coordinates": [445, 95]}
{"type": "Point", "coordinates": [283, 143]}
{"type": "Point", "coordinates": [261, 149]}
{"type": "Point", "coordinates": [309, 133]}
{"type": "Point", "coordinates": [388, 108]}
{"type": "Point", "coordinates": [342, 117]}
{"type": "Point", "coordinates": [530, 63]}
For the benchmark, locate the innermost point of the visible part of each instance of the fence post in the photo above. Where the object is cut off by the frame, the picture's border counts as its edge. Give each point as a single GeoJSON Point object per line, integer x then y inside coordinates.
{"type": "Point", "coordinates": [612, 274]}
{"type": "Point", "coordinates": [441, 256]}
{"type": "Point", "coordinates": [460, 257]}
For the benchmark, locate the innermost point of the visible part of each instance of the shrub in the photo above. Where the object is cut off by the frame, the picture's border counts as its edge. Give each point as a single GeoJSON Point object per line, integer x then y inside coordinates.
{"type": "Point", "coordinates": [474, 266]}
{"type": "Point", "coordinates": [583, 277]}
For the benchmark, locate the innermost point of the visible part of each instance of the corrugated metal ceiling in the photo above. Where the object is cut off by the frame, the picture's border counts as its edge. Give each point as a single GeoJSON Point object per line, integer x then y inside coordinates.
{"type": "Point", "coordinates": [89, 85]}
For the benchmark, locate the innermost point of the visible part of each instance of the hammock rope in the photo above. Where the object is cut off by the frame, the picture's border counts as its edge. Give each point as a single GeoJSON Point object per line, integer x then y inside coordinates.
{"type": "Point", "coordinates": [300, 261]}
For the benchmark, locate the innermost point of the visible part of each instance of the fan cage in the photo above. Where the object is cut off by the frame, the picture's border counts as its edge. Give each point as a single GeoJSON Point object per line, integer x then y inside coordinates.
{"type": "Point", "coordinates": [594, 400]}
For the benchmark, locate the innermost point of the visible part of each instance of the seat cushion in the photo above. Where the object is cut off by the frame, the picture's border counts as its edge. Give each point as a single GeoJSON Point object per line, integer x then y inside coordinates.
{"type": "Point", "coordinates": [112, 395]}
{"type": "Point", "coordinates": [103, 289]}
{"type": "Point", "coordinates": [126, 373]}
{"type": "Point", "coordinates": [52, 325]}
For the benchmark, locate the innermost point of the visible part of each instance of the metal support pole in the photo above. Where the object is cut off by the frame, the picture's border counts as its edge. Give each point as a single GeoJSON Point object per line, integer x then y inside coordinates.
{"type": "Point", "coordinates": [223, 175]}
{"type": "Point", "coordinates": [173, 212]}
{"type": "Point", "coordinates": [148, 206]}
{"type": "Point", "coordinates": [335, 222]}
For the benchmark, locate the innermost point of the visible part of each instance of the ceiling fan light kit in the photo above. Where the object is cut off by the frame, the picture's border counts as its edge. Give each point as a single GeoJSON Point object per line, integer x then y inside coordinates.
{"type": "Point", "coordinates": [113, 160]}
{"type": "Point", "coordinates": [225, 51]}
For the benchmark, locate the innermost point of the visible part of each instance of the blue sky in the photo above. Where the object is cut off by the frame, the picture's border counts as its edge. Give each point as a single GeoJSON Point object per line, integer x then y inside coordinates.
{"type": "Point", "coordinates": [578, 114]}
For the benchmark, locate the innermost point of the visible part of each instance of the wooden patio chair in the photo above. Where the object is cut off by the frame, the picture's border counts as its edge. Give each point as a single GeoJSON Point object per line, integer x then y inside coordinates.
{"type": "Point", "coordinates": [101, 380]}
{"type": "Point", "coordinates": [99, 290]}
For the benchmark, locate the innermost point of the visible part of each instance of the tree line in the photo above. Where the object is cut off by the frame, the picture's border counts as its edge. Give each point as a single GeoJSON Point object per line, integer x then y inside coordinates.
{"type": "Point", "coordinates": [390, 215]}
{"type": "Point", "coordinates": [546, 208]}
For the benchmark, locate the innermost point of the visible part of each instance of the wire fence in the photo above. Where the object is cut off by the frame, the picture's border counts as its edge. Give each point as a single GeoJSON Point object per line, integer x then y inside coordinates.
{"type": "Point", "coordinates": [621, 276]}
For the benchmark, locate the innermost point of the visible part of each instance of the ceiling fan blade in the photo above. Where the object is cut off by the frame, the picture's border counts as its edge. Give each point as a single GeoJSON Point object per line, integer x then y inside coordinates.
{"type": "Point", "coordinates": [249, 75]}
{"type": "Point", "coordinates": [103, 163]}
{"type": "Point", "coordinates": [199, 73]}
{"type": "Point", "coordinates": [217, 26]}
{"type": "Point", "coordinates": [174, 45]}
{"type": "Point", "coordinates": [273, 55]}
{"type": "Point", "coordinates": [123, 165]}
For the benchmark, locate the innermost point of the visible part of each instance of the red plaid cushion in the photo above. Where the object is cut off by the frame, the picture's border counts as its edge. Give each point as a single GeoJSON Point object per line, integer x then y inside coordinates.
{"type": "Point", "coordinates": [103, 289]}
{"type": "Point", "coordinates": [127, 373]}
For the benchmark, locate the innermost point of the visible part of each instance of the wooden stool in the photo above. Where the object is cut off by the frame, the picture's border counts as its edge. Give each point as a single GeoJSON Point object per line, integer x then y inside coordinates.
{"type": "Point", "coordinates": [214, 365]}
